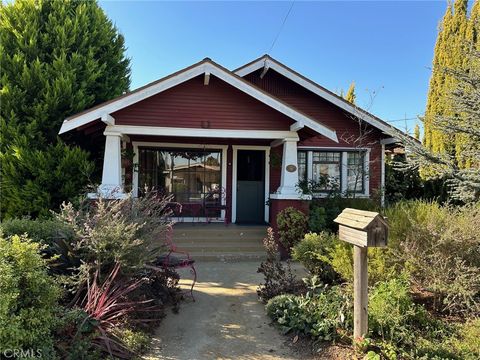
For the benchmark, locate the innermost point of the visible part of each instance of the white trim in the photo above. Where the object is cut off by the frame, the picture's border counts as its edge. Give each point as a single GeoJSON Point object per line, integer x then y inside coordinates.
{"type": "Point", "coordinates": [344, 167]}
{"type": "Point", "coordinates": [137, 144]}
{"type": "Point", "coordinates": [108, 119]}
{"type": "Point", "coordinates": [316, 89]}
{"type": "Point", "coordinates": [382, 176]}
{"type": "Point", "coordinates": [202, 133]}
{"type": "Point", "coordinates": [235, 149]}
{"type": "Point", "coordinates": [389, 141]}
{"type": "Point", "coordinates": [204, 67]}
{"type": "Point", "coordinates": [367, 173]}
{"type": "Point", "coordinates": [333, 148]}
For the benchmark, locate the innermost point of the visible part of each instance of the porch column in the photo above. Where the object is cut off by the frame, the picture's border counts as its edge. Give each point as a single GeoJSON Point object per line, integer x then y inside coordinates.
{"type": "Point", "coordinates": [112, 166]}
{"type": "Point", "coordinates": [289, 175]}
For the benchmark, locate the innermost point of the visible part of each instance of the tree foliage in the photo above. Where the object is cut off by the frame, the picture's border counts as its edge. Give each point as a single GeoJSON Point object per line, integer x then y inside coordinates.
{"type": "Point", "coordinates": [58, 58]}
{"type": "Point", "coordinates": [351, 96]}
{"type": "Point", "coordinates": [452, 117]}
{"type": "Point", "coordinates": [458, 33]}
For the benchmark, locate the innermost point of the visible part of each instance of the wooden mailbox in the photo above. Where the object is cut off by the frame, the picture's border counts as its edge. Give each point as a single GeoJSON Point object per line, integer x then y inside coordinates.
{"type": "Point", "coordinates": [362, 228]}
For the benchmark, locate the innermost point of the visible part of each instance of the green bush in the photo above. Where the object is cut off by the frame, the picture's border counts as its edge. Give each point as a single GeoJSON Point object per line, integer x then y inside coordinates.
{"type": "Point", "coordinates": [292, 226]}
{"type": "Point", "coordinates": [135, 340]}
{"type": "Point", "coordinates": [332, 206]}
{"type": "Point", "coordinates": [28, 297]}
{"type": "Point", "coordinates": [439, 246]}
{"type": "Point", "coordinates": [317, 219]}
{"type": "Point", "coordinates": [340, 258]}
{"type": "Point", "coordinates": [131, 232]}
{"type": "Point", "coordinates": [392, 313]}
{"type": "Point", "coordinates": [467, 341]}
{"type": "Point", "coordinates": [74, 336]}
{"type": "Point", "coordinates": [41, 231]}
{"type": "Point", "coordinates": [313, 252]}
{"type": "Point", "coordinates": [324, 315]}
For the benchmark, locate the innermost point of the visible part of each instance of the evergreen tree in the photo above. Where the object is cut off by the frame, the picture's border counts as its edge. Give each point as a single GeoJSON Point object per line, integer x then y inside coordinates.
{"type": "Point", "coordinates": [58, 57]}
{"type": "Point", "coordinates": [351, 95]}
{"type": "Point", "coordinates": [416, 132]}
{"type": "Point", "coordinates": [464, 181]}
{"type": "Point", "coordinates": [449, 53]}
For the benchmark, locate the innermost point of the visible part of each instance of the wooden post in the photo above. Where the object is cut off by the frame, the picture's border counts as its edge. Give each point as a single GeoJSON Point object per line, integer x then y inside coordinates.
{"type": "Point", "coordinates": [362, 229]}
{"type": "Point", "coordinates": [360, 292]}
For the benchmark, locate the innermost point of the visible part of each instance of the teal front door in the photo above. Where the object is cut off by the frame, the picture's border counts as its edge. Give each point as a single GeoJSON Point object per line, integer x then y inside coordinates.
{"type": "Point", "coordinates": [250, 186]}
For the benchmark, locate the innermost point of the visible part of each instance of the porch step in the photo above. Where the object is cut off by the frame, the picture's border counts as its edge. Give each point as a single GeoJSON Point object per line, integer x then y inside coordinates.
{"type": "Point", "coordinates": [229, 257]}
{"type": "Point", "coordinates": [219, 247]}
{"type": "Point", "coordinates": [218, 242]}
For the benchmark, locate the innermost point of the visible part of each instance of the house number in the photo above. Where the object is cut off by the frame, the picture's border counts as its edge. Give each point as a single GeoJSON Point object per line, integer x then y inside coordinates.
{"type": "Point", "coordinates": [291, 168]}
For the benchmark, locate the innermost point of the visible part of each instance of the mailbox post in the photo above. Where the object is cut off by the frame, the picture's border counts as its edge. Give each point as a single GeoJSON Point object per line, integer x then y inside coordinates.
{"type": "Point", "coordinates": [363, 229]}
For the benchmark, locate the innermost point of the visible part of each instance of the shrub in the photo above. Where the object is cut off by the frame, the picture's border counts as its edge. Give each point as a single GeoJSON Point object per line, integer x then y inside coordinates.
{"type": "Point", "coordinates": [74, 336]}
{"type": "Point", "coordinates": [467, 341]}
{"type": "Point", "coordinates": [439, 246]}
{"type": "Point", "coordinates": [28, 297]}
{"type": "Point", "coordinates": [340, 258]}
{"type": "Point", "coordinates": [392, 312]}
{"type": "Point", "coordinates": [279, 278]}
{"type": "Point", "coordinates": [40, 230]}
{"type": "Point", "coordinates": [292, 226]}
{"type": "Point", "coordinates": [332, 206]}
{"type": "Point", "coordinates": [313, 253]}
{"type": "Point", "coordinates": [126, 231]}
{"type": "Point", "coordinates": [135, 340]}
{"type": "Point", "coordinates": [317, 219]}
{"type": "Point", "coordinates": [324, 315]}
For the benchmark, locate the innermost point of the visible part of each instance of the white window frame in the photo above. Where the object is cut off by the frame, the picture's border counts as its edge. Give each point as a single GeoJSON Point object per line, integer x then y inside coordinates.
{"type": "Point", "coordinates": [344, 168]}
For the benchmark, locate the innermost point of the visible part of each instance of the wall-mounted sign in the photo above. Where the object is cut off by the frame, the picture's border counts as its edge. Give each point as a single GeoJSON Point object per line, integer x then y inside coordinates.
{"type": "Point", "coordinates": [291, 168]}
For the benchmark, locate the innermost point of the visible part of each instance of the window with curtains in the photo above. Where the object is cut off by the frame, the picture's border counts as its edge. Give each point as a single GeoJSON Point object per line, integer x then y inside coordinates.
{"type": "Point", "coordinates": [189, 175]}
{"type": "Point", "coordinates": [326, 171]}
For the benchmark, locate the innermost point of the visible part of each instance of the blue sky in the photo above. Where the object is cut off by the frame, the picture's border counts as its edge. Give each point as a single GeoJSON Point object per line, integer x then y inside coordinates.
{"type": "Point", "coordinates": [386, 47]}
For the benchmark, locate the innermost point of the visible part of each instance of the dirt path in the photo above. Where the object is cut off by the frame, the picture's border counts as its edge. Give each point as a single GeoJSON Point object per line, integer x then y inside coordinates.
{"type": "Point", "coordinates": [226, 322]}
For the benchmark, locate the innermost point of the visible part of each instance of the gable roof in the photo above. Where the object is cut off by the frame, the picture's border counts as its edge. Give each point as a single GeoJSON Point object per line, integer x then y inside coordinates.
{"type": "Point", "coordinates": [266, 62]}
{"type": "Point", "coordinates": [206, 66]}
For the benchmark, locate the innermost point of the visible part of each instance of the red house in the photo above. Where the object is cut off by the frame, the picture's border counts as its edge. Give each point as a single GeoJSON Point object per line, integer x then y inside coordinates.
{"type": "Point", "coordinates": [245, 138]}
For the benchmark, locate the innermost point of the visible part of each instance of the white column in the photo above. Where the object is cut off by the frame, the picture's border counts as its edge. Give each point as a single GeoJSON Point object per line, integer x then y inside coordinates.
{"type": "Point", "coordinates": [112, 167]}
{"type": "Point", "coordinates": [382, 175]}
{"type": "Point", "coordinates": [289, 179]}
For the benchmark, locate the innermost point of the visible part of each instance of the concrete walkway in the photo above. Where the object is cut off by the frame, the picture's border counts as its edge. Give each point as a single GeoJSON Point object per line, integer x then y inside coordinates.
{"type": "Point", "coordinates": [225, 322]}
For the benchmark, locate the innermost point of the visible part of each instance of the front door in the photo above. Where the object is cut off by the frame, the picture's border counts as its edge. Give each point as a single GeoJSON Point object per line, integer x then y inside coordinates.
{"type": "Point", "coordinates": [250, 186]}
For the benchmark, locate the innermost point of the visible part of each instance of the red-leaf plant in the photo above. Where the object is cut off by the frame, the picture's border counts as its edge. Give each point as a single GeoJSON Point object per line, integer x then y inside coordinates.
{"type": "Point", "coordinates": [107, 306]}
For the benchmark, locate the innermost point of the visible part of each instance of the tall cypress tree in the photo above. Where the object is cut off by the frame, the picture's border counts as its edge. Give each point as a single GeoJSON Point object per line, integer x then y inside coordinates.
{"type": "Point", "coordinates": [58, 57]}
{"type": "Point", "coordinates": [416, 132]}
{"type": "Point", "coordinates": [449, 53]}
{"type": "Point", "coordinates": [351, 96]}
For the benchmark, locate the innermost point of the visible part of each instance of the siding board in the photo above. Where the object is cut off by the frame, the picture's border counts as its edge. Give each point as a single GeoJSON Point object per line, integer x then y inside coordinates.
{"type": "Point", "coordinates": [195, 105]}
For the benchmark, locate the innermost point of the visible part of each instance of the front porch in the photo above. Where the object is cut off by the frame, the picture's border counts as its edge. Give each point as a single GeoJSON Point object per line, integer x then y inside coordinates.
{"type": "Point", "coordinates": [214, 179]}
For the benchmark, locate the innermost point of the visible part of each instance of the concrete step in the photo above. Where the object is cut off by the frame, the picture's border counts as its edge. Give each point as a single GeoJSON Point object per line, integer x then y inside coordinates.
{"type": "Point", "coordinates": [229, 257]}
{"type": "Point", "coordinates": [220, 248]}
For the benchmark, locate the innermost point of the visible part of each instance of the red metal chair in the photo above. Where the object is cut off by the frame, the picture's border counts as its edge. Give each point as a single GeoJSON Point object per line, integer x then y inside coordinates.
{"type": "Point", "coordinates": [215, 202]}
{"type": "Point", "coordinates": [175, 259]}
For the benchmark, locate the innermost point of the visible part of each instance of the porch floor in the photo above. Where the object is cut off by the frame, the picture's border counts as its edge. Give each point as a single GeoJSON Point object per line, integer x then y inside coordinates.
{"type": "Point", "coordinates": [220, 242]}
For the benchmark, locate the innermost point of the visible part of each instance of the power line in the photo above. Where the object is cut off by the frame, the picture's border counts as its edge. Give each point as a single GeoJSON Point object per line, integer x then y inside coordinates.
{"type": "Point", "coordinates": [281, 27]}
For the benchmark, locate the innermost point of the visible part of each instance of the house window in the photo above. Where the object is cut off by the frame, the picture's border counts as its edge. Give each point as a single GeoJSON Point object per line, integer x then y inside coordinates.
{"type": "Point", "coordinates": [191, 176]}
{"type": "Point", "coordinates": [355, 171]}
{"type": "Point", "coordinates": [302, 166]}
{"type": "Point", "coordinates": [327, 171]}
